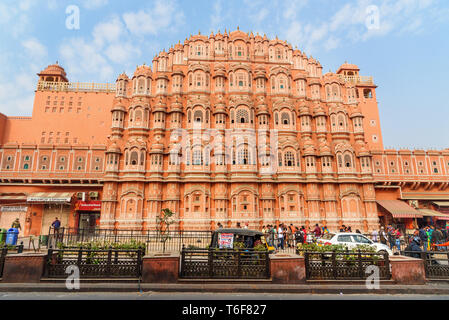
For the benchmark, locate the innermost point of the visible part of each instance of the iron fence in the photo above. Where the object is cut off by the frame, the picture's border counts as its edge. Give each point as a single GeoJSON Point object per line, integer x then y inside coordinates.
{"type": "Point", "coordinates": [225, 264]}
{"type": "Point", "coordinates": [111, 263]}
{"type": "Point", "coordinates": [436, 263]}
{"type": "Point", "coordinates": [345, 265]}
{"type": "Point", "coordinates": [156, 241]}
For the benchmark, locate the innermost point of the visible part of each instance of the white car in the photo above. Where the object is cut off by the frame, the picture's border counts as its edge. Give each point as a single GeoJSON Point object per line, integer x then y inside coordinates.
{"type": "Point", "coordinates": [351, 240]}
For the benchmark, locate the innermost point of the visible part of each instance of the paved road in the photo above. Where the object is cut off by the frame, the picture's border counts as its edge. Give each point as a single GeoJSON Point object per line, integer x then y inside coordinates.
{"type": "Point", "coordinates": [206, 296]}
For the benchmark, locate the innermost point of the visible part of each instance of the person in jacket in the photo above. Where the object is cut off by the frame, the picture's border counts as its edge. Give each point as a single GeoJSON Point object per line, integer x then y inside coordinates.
{"type": "Point", "coordinates": [391, 238]}
{"type": "Point", "coordinates": [415, 244]}
{"type": "Point", "coordinates": [317, 231]}
{"type": "Point", "coordinates": [383, 235]}
{"type": "Point", "coordinates": [16, 224]}
{"type": "Point", "coordinates": [437, 237]}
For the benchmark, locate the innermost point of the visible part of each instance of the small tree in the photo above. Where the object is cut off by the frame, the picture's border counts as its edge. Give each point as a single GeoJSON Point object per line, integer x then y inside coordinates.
{"type": "Point", "coordinates": [163, 222]}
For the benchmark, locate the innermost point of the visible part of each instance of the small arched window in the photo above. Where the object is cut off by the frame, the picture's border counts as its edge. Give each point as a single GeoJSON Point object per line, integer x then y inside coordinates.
{"type": "Point", "coordinates": [285, 118]}
{"type": "Point", "coordinates": [289, 159]}
{"type": "Point", "coordinates": [134, 158]}
{"type": "Point", "coordinates": [198, 116]}
{"type": "Point", "coordinates": [242, 116]}
{"type": "Point", "coordinates": [243, 156]}
{"type": "Point", "coordinates": [348, 161]}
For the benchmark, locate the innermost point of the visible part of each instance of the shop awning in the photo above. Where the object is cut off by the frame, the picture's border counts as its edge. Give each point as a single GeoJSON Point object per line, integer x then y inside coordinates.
{"type": "Point", "coordinates": [13, 197]}
{"type": "Point", "coordinates": [50, 197]}
{"type": "Point", "coordinates": [399, 209]}
{"type": "Point", "coordinates": [441, 203]}
{"type": "Point", "coordinates": [433, 213]}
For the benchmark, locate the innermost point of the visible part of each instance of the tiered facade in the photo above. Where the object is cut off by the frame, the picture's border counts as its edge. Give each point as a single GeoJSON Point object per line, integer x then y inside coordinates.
{"type": "Point", "coordinates": [226, 128]}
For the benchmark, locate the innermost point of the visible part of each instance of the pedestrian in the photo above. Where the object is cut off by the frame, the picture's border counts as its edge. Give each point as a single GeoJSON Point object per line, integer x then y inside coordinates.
{"type": "Point", "coordinates": [437, 236]}
{"type": "Point", "coordinates": [429, 237]}
{"type": "Point", "coordinates": [290, 236]}
{"type": "Point", "coordinates": [16, 224]}
{"type": "Point", "coordinates": [383, 235]}
{"type": "Point", "coordinates": [299, 236]}
{"type": "Point", "coordinates": [281, 237]}
{"type": "Point", "coordinates": [423, 236]}
{"type": "Point", "coordinates": [56, 225]}
{"type": "Point", "coordinates": [415, 245]}
{"type": "Point", "coordinates": [325, 230]}
{"type": "Point", "coordinates": [219, 225]}
{"type": "Point", "coordinates": [263, 229]}
{"type": "Point", "coordinates": [357, 231]}
{"type": "Point", "coordinates": [246, 226]}
{"type": "Point", "coordinates": [317, 231]}
{"type": "Point", "coordinates": [349, 229]}
{"type": "Point", "coordinates": [374, 235]}
{"type": "Point", "coordinates": [397, 236]}
{"type": "Point", "coordinates": [391, 238]}
{"type": "Point", "coordinates": [238, 225]}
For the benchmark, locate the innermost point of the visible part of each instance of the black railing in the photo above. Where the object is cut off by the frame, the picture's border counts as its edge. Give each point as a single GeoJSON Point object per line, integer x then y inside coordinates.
{"type": "Point", "coordinates": [436, 263]}
{"type": "Point", "coordinates": [169, 241]}
{"type": "Point", "coordinates": [225, 264]}
{"type": "Point", "coordinates": [345, 265]}
{"type": "Point", "coordinates": [111, 263]}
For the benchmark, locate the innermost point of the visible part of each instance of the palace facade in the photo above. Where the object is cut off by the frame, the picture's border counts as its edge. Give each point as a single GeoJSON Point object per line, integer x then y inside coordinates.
{"type": "Point", "coordinates": [227, 128]}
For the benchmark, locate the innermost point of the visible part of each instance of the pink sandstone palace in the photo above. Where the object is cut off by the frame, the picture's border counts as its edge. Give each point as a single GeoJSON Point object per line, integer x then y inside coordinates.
{"type": "Point", "coordinates": [226, 128]}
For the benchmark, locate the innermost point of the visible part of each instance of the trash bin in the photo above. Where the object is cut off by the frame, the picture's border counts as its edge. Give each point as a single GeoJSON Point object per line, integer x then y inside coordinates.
{"type": "Point", "coordinates": [11, 236]}
{"type": "Point", "coordinates": [43, 240]}
{"type": "Point", "coordinates": [2, 235]}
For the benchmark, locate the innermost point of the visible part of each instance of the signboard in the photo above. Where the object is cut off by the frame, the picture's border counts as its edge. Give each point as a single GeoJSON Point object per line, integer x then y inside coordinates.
{"type": "Point", "coordinates": [13, 209]}
{"type": "Point", "coordinates": [88, 205]}
{"type": "Point", "coordinates": [48, 199]}
{"type": "Point", "coordinates": [225, 240]}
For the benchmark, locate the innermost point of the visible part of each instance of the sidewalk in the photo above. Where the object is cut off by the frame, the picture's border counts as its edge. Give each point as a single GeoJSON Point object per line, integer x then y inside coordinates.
{"type": "Point", "coordinates": [429, 288]}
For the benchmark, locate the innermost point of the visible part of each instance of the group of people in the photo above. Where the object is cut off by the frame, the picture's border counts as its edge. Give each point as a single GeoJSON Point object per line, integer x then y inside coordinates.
{"type": "Point", "coordinates": [289, 235]}
{"type": "Point", "coordinates": [389, 236]}
{"type": "Point", "coordinates": [426, 238]}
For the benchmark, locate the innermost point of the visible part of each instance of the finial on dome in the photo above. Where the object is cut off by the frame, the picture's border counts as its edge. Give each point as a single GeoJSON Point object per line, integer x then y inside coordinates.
{"type": "Point", "coordinates": [238, 28]}
{"type": "Point", "coordinates": [57, 62]}
{"type": "Point", "coordinates": [199, 31]}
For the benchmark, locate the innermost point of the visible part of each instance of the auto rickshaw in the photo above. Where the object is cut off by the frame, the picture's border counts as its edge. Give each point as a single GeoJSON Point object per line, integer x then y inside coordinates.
{"type": "Point", "coordinates": [227, 237]}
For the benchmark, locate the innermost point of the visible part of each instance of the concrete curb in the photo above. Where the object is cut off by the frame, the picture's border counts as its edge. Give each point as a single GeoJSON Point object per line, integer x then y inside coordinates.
{"type": "Point", "coordinates": [227, 288]}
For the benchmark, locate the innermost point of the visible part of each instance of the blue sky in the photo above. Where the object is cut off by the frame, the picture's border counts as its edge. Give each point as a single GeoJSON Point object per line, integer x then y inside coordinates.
{"type": "Point", "coordinates": [407, 54]}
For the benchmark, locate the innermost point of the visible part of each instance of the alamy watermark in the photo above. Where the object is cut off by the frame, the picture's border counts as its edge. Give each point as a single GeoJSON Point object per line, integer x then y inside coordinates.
{"type": "Point", "coordinates": [372, 19]}
{"type": "Point", "coordinates": [72, 22]}
{"type": "Point", "coordinates": [373, 279]}
{"type": "Point", "coordinates": [73, 280]}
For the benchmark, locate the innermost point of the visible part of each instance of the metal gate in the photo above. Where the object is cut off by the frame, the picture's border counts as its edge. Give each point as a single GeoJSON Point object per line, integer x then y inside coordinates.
{"type": "Point", "coordinates": [225, 264]}
{"type": "Point", "coordinates": [112, 263]}
{"type": "Point", "coordinates": [345, 265]}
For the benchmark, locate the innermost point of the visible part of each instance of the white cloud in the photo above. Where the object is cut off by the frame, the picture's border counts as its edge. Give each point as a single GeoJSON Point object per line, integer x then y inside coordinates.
{"type": "Point", "coordinates": [94, 4]}
{"type": "Point", "coordinates": [348, 24]}
{"type": "Point", "coordinates": [82, 58]}
{"type": "Point", "coordinates": [217, 16]}
{"type": "Point", "coordinates": [35, 50]}
{"type": "Point", "coordinates": [109, 31]}
{"type": "Point", "coordinates": [121, 52]}
{"type": "Point", "coordinates": [163, 15]}
{"type": "Point", "coordinates": [17, 94]}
